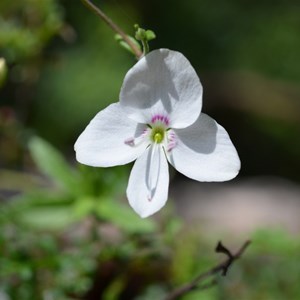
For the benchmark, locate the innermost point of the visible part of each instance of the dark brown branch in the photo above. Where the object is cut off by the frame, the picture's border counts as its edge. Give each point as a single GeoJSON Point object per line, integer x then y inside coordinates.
{"type": "Point", "coordinates": [222, 267]}
{"type": "Point", "coordinates": [137, 52]}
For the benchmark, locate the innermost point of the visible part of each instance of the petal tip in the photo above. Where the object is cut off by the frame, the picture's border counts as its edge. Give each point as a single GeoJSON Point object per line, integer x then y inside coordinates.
{"type": "Point", "coordinates": [146, 213]}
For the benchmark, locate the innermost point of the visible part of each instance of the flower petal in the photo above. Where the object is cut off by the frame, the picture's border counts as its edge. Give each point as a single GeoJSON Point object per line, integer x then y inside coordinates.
{"type": "Point", "coordinates": [163, 82]}
{"type": "Point", "coordinates": [204, 152]}
{"type": "Point", "coordinates": [102, 143]}
{"type": "Point", "coordinates": [147, 190]}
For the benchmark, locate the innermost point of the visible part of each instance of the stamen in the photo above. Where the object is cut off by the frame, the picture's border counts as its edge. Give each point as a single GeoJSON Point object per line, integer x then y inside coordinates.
{"type": "Point", "coordinates": [133, 142]}
{"type": "Point", "coordinates": [172, 142]}
{"type": "Point", "coordinates": [129, 142]}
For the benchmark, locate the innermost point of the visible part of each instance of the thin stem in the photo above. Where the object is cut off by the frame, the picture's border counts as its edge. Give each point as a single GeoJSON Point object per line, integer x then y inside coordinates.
{"type": "Point", "coordinates": [137, 52]}
{"type": "Point", "coordinates": [145, 47]}
{"type": "Point", "coordinates": [222, 267]}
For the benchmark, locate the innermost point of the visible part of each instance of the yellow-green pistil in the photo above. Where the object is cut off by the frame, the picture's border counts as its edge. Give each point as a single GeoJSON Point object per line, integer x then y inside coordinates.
{"type": "Point", "coordinates": [157, 134]}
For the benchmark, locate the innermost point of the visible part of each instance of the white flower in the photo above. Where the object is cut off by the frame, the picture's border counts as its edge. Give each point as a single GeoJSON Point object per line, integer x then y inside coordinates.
{"type": "Point", "coordinates": [158, 119]}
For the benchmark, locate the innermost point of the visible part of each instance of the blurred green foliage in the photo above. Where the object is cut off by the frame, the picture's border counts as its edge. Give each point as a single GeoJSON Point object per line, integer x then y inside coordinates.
{"type": "Point", "coordinates": [52, 257]}
{"type": "Point", "coordinates": [89, 73]}
{"type": "Point", "coordinates": [66, 230]}
{"type": "Point", "coordinates": [275, 255]}
{"type": "Point", "coordinates": [26, 26]}
{"type": "Point", "coordinates": [73, 194]}
{"type": "Point", "coordinates": [258, 35]}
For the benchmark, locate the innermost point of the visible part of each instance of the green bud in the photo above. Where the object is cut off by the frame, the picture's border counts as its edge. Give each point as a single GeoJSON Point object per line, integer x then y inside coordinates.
{"type": "Point", "coordinates": [144, 36]}
{"type": "Point", "coordinates": [140, 34]}
{"type": "Point", "coordinates": [124, 45]}
{"type": "Point", "coordinates": [150, 35]}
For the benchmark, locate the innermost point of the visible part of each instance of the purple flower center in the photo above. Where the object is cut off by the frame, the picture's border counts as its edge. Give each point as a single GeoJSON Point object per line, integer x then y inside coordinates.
{"type": "Point", "coordinates": [160, 118]}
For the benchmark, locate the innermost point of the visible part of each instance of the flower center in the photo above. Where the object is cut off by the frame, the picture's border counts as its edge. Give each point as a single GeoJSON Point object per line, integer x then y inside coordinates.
{"type": "Point", "coordinates": [157, 134]}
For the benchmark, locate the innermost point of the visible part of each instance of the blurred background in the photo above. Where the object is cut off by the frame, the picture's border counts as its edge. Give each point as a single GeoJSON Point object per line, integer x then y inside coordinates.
{"type": "Point", "coordinates": [66, 230]}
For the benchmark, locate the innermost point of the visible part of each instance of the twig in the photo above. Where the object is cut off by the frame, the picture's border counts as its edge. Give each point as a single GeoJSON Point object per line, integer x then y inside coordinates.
{"type": "Point", "coordinates": [207, 285]}
{"type": "Point", "coordinates": [222, 267]}
{"type": "Point", "coordinates": [137, 52]}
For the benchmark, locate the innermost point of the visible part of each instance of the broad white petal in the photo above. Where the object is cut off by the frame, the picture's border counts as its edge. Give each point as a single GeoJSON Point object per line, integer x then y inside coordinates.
{"type": "Point", "coordinates": [163, 82]}
{"type": "Point", "coordinates": [204, 152]}
{"type": "Point", "coordinates": [102, 143]}
{"type": "Point", "coordinates": [147, 190]}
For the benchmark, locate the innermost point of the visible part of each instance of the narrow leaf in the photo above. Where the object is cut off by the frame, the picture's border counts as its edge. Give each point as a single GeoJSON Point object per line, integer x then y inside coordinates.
{"type": "Point", "coordinates": [51, 163]}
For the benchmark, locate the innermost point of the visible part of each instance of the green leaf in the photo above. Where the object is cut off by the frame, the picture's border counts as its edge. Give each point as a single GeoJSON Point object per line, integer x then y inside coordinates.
{"type": "Point", "coordinates": [123, 217]}
{"type": "Point", "coordinates": [84, 206]}
{"type": "Point", "coordinates": [47, 217]}
{"type": "Point", "coordinates": [52, 163]}
{"type": "Point", "coordinates": [40, 210]}
{"type": "Point", "coordinates": [124, 45]}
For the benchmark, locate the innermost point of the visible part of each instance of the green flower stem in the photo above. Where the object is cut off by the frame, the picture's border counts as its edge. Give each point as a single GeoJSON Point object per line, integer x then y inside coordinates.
{"type": "Point", "coordinates": [137, 52]}
{"type": "Point", "coordinates": [145, 47]}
